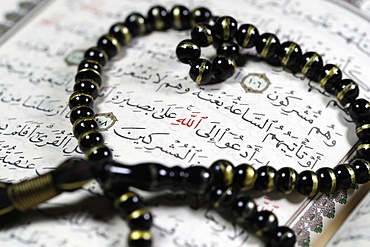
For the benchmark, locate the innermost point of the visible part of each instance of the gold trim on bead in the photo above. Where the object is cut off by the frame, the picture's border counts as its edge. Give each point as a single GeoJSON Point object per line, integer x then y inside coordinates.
{"type": "Point", "coordinates": [363, 146]}
{"type": "Point", "coordinates": [315, 184]}
{"type": "Point", "coordinates": [266, 48]}
{"type": "Point", "coordinates": [217, 203]}
{"type": "Point", "coordinates": [286, 58]}
{"type": "Point", "coordinates": [346, 89]}
{"type": "Point", "coordinates": [140, 234]}
{"type": "Point", "coordinates": [271, 181]}
{"type": "Point", "coordinates": [177, 18]}
{"type": "Point", "coordinates": [228, 172]}
{"type": "Point", "coordinates": [78, 94]}
{"type": "Point", "coordinates": [125, 32]}
{"type": "Point", "coordinates": [308, 65]}
{"type": "Point", "coordinates": [250, 178]}
{"type": "Point", "coordinates": [92, 149]}
{"type": "Point", "coordinates": [123, 198]}
{"type": "Point", "coordinates": [332, 71]}
{"type": "Point", "coordinates": [247, 37]}
{"type": "Point", "coordinates": [85, 134]}
{"type": "Point", "coordinates": [292, 175]}
{"type": "Point", "coordinates": [81, 120]}
{"type": "Point", "coordinates": [352, 175]}
{"type": "Point", "coordinates": [89, 69]}
{"type": "Point", "coordinates": [114, 41]}
{"type": "Point", "coordinates": [333, 181]}
{"type": "Point", "coordinates": [362, 128]}
{"type": "Point", "coordinates": [201, 70]}
{"type": "Point", "coordinates": [137, 213]}
{"type": "Point", "coordinates": [226, 28]}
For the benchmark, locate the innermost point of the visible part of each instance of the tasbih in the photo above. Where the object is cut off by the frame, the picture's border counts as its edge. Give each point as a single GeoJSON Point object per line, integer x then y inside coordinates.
{"type": "Point", "coordinates": [222, 182]}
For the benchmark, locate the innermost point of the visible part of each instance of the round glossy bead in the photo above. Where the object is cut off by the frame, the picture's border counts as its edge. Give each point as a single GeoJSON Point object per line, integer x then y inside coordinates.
{"type": "Point", "coordinates": [346, 176]}
{"type": "Point", "coordinates": [264, 223]}
{"type": "Point", "coordinates": [282, 236]}
{"type": "Point", "coordinates": [201, 71]}
{"type": "Point", "coordinates": [311, 64]}
{"type": "Point", "coordinates": [140, 238]}
{"type": "Point", "coordinates": [198, 180]}
{"type": "Point", "coordinates": [327, 180]}
{"type": "Point", "coordinates": [223, 67]}
{"type": "Point", "coordinates": [87, 86]}
{"type": "Point", "coordinates": [127, 203]}
{"type": "Point", "coordinates": [329, 76]}
{"type": "Point", "coordinates": [346, 91]}
{"type": "Point", "coordinates": [200, 14]}
{"type": "Point", "coordinates": [80, 99]}
{"type": "Point", "coordinates": [363, 149]}
{"type": "Point", "coordinates": [99, 155]}
{"type": "Point", "coordinates": [243, 210]}
{"type": "Point", "coordinates": [308, 183]}
{"type": "Point", "coordinates": [90, 64]}
{"type": "Point", "coordinates": [267, 44]}
{"type": "Point", "coordinates": [140, 219]}
{"type": "Point", "coordinates": [359, 110]}
{"type": "Point", "coordinates": [363, 129]}
{"type": "Point", "coordinates": [109, 44]}
{"type": "Point", "coordinates": [177, 178]}
{"type": "Point", "coordinates": [121, 32]}
{"type": "Point", "coordinates": [225, 28]}
{"type": "Point", "coordinates": [181, 17]}
{"type": "Point", "coordinates": [159, 18]}
{"type": "Point", "coordinates": [187, 51]}
{"type": "Point", "coordinates": [90, 74]}
{"type": "Point", "coordinates": [290, 56]}
{"type": "Point", "coordinates": [222, 197]}
{"type": "Point", "coordinates": [223, 172]}
{"type": "Point", "coordinates": [247, 35]}
{"type": "Point", "coordinates": [228, 49]}
{"type": "Point", "coordinates": [202, 35]}
{"type": "Point", "coordinates": [265, 181]}
{"type": "Point", "coordinates": [286, 180]}
{"type": "Point", "coordinates": [89, 139]}
{"type": "Point", "coordinates": [83, 125]}
{"type": "Point", "coordinates": [362, 170]}
{"type": "Point", "coordinates": [137, 24]}
{"type": "Point", "coordinates": [245, 177]}
{"type": "Point", "coordinates": [96, 54]}
{"type": "Point", "coordinates": [79, 112]}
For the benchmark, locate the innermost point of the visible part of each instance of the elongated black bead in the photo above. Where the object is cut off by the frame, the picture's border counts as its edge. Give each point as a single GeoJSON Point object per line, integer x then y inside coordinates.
{"type": "Point", "coordinates": [265, 181]}
{"type": "Point", "coordinates": [312, 64]}
{"type": "Point", "coordinates": [181, 17]}
{"type": "Point", "coordinates": [223, 172]}
{"type": "Point", "coordinates": [267, 45]}
{"type": "Point", "coordinates": [346, 91]}
{"type": "Point", "coordinates": [286, 180]}
{"type": "Point", "coordinates": [282, 236]}
{"type": "Point", "coordinates": [228, 49]}
{"type": "Point", "coordinates": [79, 99]}
{"type": "Point", "coordinates": [264, 223]}
{"type": "Point", "coordinates": [87, 86]}
{"type": "Point", "coordinates": [140, 219]}
{"type": "Point", "coordinates": [121, 32]}
{"type": "Point", "coordinates": [127, 203]}
{"type": "Point", "coordinates": [222, 197]}
{"type": "Point", "coordinates": [200, 14]}
{"type": "Point", "coordinates": [363, 129]}
{"type": "Point", "coordinates": [359, 110]}
{"type": "Point", "coordinates": [244, 177]}
{"type": "Point", "coordinates": [223, 67]}
{"type": "Point", "coordinates": [187, 51]}
{"type": "Point", "coordinates": [96, 54]}
{"type": "Point", "coordinates": [201, 71]}
{"type": "Point", "coordinates": [89, 74]}
{"type": "Point", "coordinates": [137, 24]}
{"type": "Point", "coordinates": [346, 176]}
{"type": "Point", "coordinates": [290, 56]}
{"type": "Point", "coordinates": [201, 35]}
{"type": "Point", "coordinates": [329, 76]}
{"type": "Point", "coordinates": [80, 111]}
{"type": "Point", "coordinates": [198, 179]}
{"type": "Point", "coordinates": [247, 35]}
{"type": "Point", "coordinates": [159, 18]}
{"type": "Point", "coordinates": [90, 139]}
{"type": "Point", "coordinates": [109, 44]}
{"type": "Point", "coordinates": [362, 170]}
{"type": "Point", "coordinates": [84, 124]}
{"type": "Point", "coordinates": [243, 210]}
{"type": "Point", "coordinates": [327, 180]}
{"type": "Point", "coordinates": [90, 64]}
{"type": "Point", "coordinates": [140, 238]}
{"type": "Point", "coordinates": [98, 156]}
{"type": "Point", "coordinates": [308, 183]}
{"type": "Point", "coordinates": [225, 28]}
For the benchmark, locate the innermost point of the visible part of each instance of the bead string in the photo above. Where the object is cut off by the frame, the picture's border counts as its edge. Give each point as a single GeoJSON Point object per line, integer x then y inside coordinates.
{"type": "Point", "coordinates": [221, 180]}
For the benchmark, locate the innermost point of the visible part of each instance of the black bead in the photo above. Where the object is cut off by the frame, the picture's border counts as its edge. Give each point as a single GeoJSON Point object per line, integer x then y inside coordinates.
{"type": "Point", "coordinates": [198, 180]}
{"type": "Point", "coordinates": [99, 155]}
{"type": "Point", "coordinates": [265, 181]}
{"type": "Point", "coordinates": [109, 44]}
{"type": "Point", "coordinates": [87, 86]}
{"type": "Point", "coordinates": [127, 203]}
{"type": "Point", "coordinates": [79, 99]}
{"type": "Point", "coordinates": [82, 125]}
{"type": "Point", "coordinates": [346, 176]}
{"type": "Point", "coordinates": [201, 71]}
{"type": "Point", "coordinates": [200, 14]}
{"type": "Point", "coordinates": [329, 76]}
{"type": "Point", "coordinates": [359, 110]}
{"type": "Point", "coordinates": [247, 35]}
{"type": "Point", "coordinates": [362, 170]}
{"type": "Point", "coordinates": [222, 197]}
{"type": "Point", "coordinates": [308, 183]}
{"type": "Point", "coordinates": [90, 64]}
{"type": "Point", "coordinates": [290, 56]}
{"type": "Point", "coordinates": [181, 17]}
{"type": "Point", "coordinates": [90, 74]}
{"type": "Point", "coordinates": [89, 139]}
{"type": "Point", "coordinates": [264, 223]}
{"type": "Point", "coordinates": [137, 24]}
{"type": "Point", "coordinates": [327, 180]}
{"type": "Point", "coordinates": [286, 180]}
{"type": "Point", "coordinates": [363, 149]}
{"type": "Point", "coordinates": [177, 177]}
{"type": "Point", "coordinates": [140, 219]}
{"type": "Point", "coordinates": [223, 67]}
{"type": "Point", "coordinates": [282, 236]}
{"type": "Point", "coordinates": [159, 18]}
{"type": "Point", "coordinates": [363, 129]}
{"type": "Point", "coordinates": [346, 91]}
{"type": "Point", "coordinates": [96, 54]}
{"type": "Point", "coordinates": [267, 45]}
{"type": "Point", "coordinates": [222, 171]}
{"type": "Point", "coordinates": [80, 111]}
{"type": "Point", "coordinates": [139, 238]}
{"type": "Point", "coordinates": [228, 49]}
{"type": "Point", "coordinates": [243, 210]}
{"type": "Point", "coordinates": [225, 28]}
{"type": "Point", "coordinates": [201, 35]}
{"type": "Point", "coordinates": [121, 32]}
{"type": "Point", "coordinates": [244, 177]}
{"type": "Point", "coordinates": [311, 64]}
{"type": "Point", "coordinates": [187, 51]}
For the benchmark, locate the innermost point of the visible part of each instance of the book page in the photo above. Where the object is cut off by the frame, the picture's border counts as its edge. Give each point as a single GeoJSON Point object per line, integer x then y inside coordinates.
{"type": "Point", "coordinates": [152, 111]}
